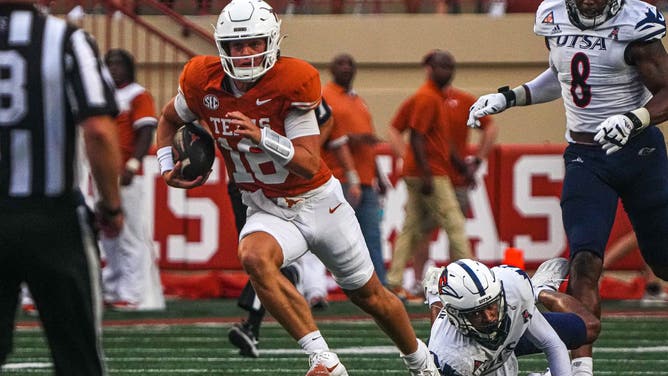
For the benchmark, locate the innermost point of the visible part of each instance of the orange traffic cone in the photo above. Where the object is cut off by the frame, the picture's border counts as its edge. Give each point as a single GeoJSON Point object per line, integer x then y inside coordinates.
{"type": "Point", "coordinates": [514, 257]}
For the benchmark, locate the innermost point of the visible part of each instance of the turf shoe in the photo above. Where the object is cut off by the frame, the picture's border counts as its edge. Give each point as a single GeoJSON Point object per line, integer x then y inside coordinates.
{"type": "Point", "coordinates": [325, 363]}
{"type": "Point", "coordinates": [241, 336]}
{"type": "Point", "coordinates": [549, 275]}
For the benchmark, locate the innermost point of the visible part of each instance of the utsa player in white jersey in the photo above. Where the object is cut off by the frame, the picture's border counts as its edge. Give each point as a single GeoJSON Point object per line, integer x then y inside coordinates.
{"type": "Point", "coordinates": [608, 64]}
{"type": "Point", "coordinates": [483, 318]}
{"type": "Point", "coordinates": [258, 106]}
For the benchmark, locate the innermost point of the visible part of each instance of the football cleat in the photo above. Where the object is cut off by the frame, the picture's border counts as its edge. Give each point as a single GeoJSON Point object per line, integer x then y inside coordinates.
{"type": "Point", "coordinates": [194, 147]}
{"type": "Point", "coordinates": [122, 306]}
{"type": "Point", "coordinates": [241, 336]}
{"type": "Point", "coordinates": [325, 363]}
{"type": "Point", "coordinates": [318, 303]}
{"type": "Point", "coordinates": [405, 296]}
{"type": "Point", "coordinates": [550, 275]}
{"type": "Point", "coordinates": [30, 309]}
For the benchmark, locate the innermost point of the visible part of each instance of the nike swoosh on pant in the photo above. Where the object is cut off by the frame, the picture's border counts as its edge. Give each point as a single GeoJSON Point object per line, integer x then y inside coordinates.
{"type": "Point", "coordinates": [332, 210]}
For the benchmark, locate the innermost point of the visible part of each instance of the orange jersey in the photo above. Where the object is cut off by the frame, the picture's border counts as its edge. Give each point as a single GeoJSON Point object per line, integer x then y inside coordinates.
{"type": "Point", "coordinates": [351, 116]}
{"type": "Point", "coordinates": [457, 104]}
{"type": "Point", "coordinates": [290, 84]}
{"type": "Point", "coordinates": [137, 110]}
{"type": "Point", "coordinates": [424, 112]}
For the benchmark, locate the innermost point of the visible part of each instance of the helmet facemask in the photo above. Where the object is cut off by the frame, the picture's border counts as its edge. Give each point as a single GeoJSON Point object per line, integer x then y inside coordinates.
{"type": "Point", "coordinates": [245, 20]}
{"type": "Point", "coordinates": [491, 333]}
{"type": "Point", "coordinates": [583, 22]}
{"type": "Point", "coordinates": [467, 288]}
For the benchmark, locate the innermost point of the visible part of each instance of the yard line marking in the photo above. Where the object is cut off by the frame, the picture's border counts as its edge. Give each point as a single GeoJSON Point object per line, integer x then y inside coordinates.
{"type": "Point", "coordinates": [27, 365]}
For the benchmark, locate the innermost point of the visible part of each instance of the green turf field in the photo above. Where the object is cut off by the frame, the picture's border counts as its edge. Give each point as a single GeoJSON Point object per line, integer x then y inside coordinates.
{"type": "Point", "coordinates": [191, 339]}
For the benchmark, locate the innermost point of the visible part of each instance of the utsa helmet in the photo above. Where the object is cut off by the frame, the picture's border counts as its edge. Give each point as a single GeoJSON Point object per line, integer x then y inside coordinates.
{"type": "Point", "coordinates": [194, 147]}
{"type": "Point", "coordinates": [467, 287]}
{"type": "Point", "coordinates": [247, 19]}
{"type": "Point", "coordinates": [593, 16]}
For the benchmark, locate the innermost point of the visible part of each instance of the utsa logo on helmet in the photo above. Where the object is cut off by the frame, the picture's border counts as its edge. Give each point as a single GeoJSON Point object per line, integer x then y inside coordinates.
{"type": "Point", "coordinates": [442, 282]}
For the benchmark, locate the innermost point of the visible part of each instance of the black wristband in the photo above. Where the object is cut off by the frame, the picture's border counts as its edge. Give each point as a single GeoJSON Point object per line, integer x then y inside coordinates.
{"type": "Point", "coordinates": [509, 95]}
{"type": "Point", "coordinates": [637, 123]}
{"type": "Point", "coordinates": [106, 212]}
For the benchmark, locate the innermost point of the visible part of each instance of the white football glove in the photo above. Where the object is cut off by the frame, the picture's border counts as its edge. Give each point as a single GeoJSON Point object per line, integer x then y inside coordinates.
{"type": "Point", "coordinates": [430, 281]}
{"type": "Point", "coordinates": [486, 105]}
{"type": "Point", "coordinates": [613, 133]}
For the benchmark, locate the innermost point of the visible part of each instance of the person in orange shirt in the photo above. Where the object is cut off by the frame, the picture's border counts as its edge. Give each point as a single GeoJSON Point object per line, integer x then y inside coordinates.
{"type": "Point", "coordinates": [259, 106]}
{"type": "Point", "coordinates": [130, 278]}
{"type": "Point", "coordinates": [457, 103]}
{"type": "Point", "coordinates": [429, 161]}
{"type": "Point", "coordinates": [354, 126]}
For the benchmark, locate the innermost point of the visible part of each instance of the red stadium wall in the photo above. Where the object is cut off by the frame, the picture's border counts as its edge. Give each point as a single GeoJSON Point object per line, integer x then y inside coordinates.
{"type": "Point", "coordinates": [517, 206]}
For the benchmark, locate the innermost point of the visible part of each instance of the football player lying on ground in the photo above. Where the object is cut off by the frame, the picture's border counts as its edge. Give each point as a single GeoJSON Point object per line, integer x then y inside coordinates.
{"type": "Point", "coordinates": [482, 318]}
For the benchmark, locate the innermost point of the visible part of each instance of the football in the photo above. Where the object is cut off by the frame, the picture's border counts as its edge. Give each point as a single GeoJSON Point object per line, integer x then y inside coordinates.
{"type": "Point", "coordinates": [194, 147]}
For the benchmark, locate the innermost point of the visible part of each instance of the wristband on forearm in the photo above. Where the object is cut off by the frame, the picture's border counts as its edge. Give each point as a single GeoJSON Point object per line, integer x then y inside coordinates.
{"type": "Point", "coordinates": [278, 147]}
{"type": "Point", "coordinates": [639, 117]}
{"type": "Point", "coordinates": [352, 177]}
{"type": "Point", "coordinates": [165, 159]}
{"type": "Point", "coordinates": [509, 95]}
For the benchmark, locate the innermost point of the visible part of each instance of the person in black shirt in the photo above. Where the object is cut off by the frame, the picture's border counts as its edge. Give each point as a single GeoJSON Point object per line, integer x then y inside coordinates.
{"type": "Point", "coordinates": [53, 87]}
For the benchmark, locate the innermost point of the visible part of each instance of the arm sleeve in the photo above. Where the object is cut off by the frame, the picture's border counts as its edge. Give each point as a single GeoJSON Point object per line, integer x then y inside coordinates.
{"type": "Point", "coordinates": [299, 123]}
{"type": "Point", "coordinates": [544, 88]}
{"type": "Point", "coordinates": [182, 109]}
{"type": "Point", "coordinates": [541, 334]}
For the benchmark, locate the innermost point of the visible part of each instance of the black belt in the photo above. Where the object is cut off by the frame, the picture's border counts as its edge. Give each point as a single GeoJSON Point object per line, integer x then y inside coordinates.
{"type": "Point", "coordinates": [583, 137]}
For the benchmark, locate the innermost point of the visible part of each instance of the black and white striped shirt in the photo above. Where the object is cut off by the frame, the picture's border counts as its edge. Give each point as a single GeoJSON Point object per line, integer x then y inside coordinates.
{"type": "Point", "coordinates": [51, 78]}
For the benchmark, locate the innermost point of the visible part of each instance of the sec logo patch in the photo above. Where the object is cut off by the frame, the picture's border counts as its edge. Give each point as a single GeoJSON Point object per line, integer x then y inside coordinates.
{"type": "Point", "coordinates": [211, 102]}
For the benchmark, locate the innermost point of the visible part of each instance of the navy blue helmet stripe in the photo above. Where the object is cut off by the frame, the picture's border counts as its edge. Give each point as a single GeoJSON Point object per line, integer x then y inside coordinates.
{"type": "Point", "coordinates": [474, 277]}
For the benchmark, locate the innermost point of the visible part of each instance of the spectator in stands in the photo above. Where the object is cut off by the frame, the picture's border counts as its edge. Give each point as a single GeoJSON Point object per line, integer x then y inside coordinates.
{"type": "Point", "coordinates": [457, 104]}
{"type": "Point", "coordinates": [354, 126]}
{"type": "Point", "coordinates": [428, 165]}
{"type": "Point", "coordinates": [131, 279]}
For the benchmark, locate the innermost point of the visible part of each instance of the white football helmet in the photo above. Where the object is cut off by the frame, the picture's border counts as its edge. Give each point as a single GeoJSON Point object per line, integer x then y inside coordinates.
{"type": "Point", "coordinates": [584, 22]}
{"type": "Point", "coordinates": [247, 19]}
{"type": "Point", "coordinates": [466, 287]}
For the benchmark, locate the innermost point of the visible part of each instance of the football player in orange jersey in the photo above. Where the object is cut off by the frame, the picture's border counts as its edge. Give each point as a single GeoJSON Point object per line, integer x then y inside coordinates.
{"type": "Point", "coordinates": [259, 108]}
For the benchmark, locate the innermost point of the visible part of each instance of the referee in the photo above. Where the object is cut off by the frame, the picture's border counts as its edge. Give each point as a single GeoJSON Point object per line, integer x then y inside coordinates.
{"type": "Point", "coordinates": [52, 88]}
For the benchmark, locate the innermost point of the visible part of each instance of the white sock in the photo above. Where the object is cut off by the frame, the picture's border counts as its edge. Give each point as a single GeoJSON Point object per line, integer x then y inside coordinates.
{"type": "Point", "coordinates": [417, 359]}
{"type": "Point", "coordinates": [313, 342]}
{"type": "Point", "coordinates": [582, 366]}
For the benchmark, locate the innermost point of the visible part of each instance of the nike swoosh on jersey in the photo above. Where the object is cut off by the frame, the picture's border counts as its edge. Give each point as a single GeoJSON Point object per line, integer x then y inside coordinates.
{"type": "Point", "coordinates": [332, 210]}
{"type": "Point", "coordinates": [261, 102]}
{"type": "Point", "coordinates": [331, 369]}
